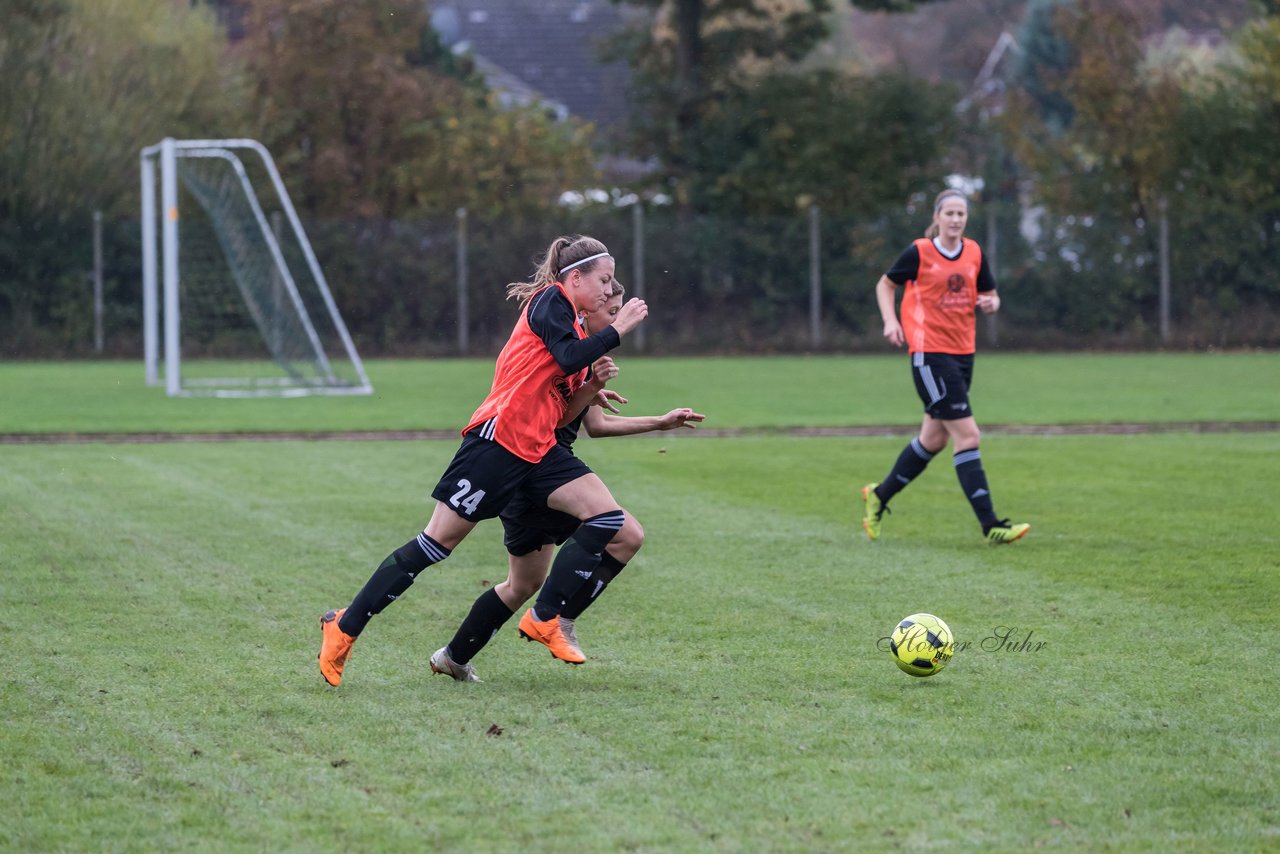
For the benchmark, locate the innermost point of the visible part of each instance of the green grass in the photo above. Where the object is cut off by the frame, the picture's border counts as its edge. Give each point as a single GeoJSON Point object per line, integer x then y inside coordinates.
{"type": "Point", "coordinates": [161, 693]}
{"type": "Point", "coordinates": [829, 391]}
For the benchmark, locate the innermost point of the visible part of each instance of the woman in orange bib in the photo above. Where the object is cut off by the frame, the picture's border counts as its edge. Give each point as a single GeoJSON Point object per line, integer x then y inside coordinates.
{"type": "Point", "coordinates": [944, 277]}
{"type": "Point", "coordinates": [511, 438]}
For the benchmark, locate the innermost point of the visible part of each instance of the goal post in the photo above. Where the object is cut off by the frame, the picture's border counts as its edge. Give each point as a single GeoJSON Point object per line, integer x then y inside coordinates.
{"type": "Point", "coordinates": [247, 310]}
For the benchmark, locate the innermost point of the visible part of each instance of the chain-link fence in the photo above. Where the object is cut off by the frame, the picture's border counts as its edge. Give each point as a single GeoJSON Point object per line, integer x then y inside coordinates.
{"type": "Point", "coordinates": [799, 283]}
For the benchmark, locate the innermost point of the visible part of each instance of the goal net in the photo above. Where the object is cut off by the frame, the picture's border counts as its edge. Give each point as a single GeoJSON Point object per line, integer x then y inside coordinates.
{"type": "Point", "coordinates": [246, 308]}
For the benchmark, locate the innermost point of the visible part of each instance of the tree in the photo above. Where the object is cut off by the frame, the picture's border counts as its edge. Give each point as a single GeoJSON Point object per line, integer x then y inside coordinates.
{"type": "Point", "coordinates": [87, 85]}
{"type": "Point", "coordinates": [372, 118]}
{"type": "Point", "coordinates": [689, 57]}
{"type": "Point", "coordinates": [1158, 123]}
{"type": "Point", "coordinates": [1044, 58]}
{"type": "Point", "coordinates": [1228, 181]}
{"type": "Point", "coordinates": [843, 143]}
{"type": "Point", "coordinates": [702, 57]}
{"type": "Point", "coordinates": [1100, 166]}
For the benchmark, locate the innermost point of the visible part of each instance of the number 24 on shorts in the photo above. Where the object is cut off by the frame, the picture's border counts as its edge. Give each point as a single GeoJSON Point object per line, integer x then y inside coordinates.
{"type": "Point", "coordinates": [470, 502]}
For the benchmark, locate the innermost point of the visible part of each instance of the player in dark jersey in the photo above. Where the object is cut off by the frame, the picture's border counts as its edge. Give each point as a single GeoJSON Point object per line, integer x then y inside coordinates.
{"type": "Point", "coordinates": [943, 277]}
{"type": "Point", "coordinates": [533, 530]}
{"type": "Point", "coordinates": [539, 370]}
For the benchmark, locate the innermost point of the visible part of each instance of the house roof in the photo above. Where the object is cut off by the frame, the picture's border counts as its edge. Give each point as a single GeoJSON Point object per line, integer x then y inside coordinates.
{"type": "Point", "coordinates": [549, 50]}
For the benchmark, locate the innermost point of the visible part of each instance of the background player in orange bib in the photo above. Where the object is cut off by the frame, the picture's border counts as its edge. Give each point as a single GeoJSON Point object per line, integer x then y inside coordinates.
{"type": "Point", "coordinates": [944, 276]}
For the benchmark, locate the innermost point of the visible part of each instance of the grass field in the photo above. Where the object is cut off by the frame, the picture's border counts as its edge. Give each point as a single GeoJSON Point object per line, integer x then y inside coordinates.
{"type": "Point", "coordinates": [827, 391]}
{"type": "Point", "coordinates": [1112, 689]}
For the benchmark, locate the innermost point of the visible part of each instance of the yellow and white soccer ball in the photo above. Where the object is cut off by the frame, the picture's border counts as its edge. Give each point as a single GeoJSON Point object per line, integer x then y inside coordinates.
{"type": "Point", "coordinates": [921, 644]}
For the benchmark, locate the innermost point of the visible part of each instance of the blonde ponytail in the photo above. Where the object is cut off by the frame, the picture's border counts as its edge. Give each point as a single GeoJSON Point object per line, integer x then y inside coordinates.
{"type": "Point", "coordinates": [577, 252]}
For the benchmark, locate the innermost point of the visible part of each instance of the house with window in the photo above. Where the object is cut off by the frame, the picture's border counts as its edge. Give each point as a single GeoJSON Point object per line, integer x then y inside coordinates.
{"type": "Point", "coordinates": [552, 52]}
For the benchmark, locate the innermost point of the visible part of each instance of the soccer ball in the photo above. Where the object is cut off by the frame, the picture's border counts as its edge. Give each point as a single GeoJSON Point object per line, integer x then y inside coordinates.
{"type": "Point", "coordinates": [921, 644]}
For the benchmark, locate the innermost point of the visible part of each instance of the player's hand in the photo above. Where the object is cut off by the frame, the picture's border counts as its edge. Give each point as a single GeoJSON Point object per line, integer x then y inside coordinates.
{"type": "Point", "coordinates": [630, 315]}
{"type": "Point", "coordinates": [893, 333]}
{"type": "Point", "coordinates": [682, 417]}
{"type": "Point", "coordinates": [989, 303]}
{"type": "Point", "coordinates": [605, 398]}
{"type": "Point", "coordinates": [603, 370]}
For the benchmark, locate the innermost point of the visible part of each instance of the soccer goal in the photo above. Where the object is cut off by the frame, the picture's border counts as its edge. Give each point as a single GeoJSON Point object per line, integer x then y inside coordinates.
{"type": "Point", "coordinates": [247, 311]}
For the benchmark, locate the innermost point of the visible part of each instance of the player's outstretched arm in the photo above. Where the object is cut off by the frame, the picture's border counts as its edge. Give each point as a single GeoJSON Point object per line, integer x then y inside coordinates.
{"type": "Point", "coordinates": [598, 424]}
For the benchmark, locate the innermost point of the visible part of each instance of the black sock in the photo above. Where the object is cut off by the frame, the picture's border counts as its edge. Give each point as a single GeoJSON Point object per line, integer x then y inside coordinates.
{"type": "Point", "coordinates": [390, 580]}
{"type": "Point", "coordinates": [911, 462]}
{"type": "Point", "coordinates": [973, 480]}
{"type": "Point", "coordinates": [576, 561]}
{"type": "Point", "coordinates": [488, 614]}
{"type": "Point", "coordinates": [607, 571]}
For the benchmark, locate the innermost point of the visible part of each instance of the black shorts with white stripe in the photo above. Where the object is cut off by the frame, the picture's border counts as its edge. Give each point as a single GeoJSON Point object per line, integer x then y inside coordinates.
{"type": "Point", "coordinates": [943, 381]}
{"type": "Point", "coordinates": [482, 478]}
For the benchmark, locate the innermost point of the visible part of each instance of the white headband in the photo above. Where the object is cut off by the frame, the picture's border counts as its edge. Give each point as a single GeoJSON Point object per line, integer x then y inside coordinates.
{"type": "Point", "coordinates": [949, 194]}
{"type": "Point", "coordinates": [583, 261]}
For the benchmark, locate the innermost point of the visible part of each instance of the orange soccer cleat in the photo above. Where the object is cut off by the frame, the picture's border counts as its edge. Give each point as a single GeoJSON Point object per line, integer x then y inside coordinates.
{"type": "Point", "coordinates": [334, 647]}
{"type": "Point", "coordinates": [548, 634]}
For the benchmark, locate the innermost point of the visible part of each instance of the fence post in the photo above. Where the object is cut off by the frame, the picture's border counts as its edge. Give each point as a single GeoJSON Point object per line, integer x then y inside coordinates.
{"type": "Point", "coordinates": [464, 319]}
{"type": "Point", "coordinates": [1164, 270]}
{"type": "Point", "coordinates": [637, 263]}
{"type": "Point", "coordinates": [97, 282]}
{"type": "Point", "coordinates": [993, 262]}
{"type": "Point", "coordinates": [815, 278]}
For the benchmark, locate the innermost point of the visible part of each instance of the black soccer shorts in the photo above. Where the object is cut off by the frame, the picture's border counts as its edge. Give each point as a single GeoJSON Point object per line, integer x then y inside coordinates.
{"type": "Point", "coordinates": [481, 479]}
{"type": "Point", "coordinates": [527, 527]}
{"type": "Point", "coordinates": [528, 523]}
{"type": "Point", "coordinates": [942, 381]}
